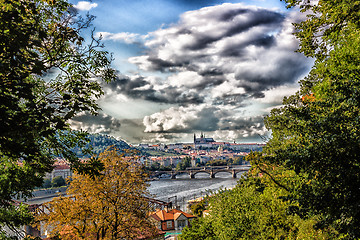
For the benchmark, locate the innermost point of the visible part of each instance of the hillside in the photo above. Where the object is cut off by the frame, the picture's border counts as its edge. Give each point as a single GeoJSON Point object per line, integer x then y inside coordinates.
{"type": "Point", "coordinates": [100, 142]}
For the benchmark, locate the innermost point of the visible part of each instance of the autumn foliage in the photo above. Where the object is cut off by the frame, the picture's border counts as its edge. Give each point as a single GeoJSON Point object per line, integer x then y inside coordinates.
{"type": "Point", "coordinates": [109, 206]}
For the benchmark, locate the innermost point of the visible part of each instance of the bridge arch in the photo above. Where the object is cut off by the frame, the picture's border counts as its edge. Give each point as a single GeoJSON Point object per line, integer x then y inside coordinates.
{"type": "Point", "coordinates": [178, 173]}
{"type": "Point", "coordinates": [237, 172]}
{"type": "Point", "coordinates": [192, 174]}
{"type": "Point", "coordinates": [160, 174]}
{"type": "Point", "coordinates": [224, 171]}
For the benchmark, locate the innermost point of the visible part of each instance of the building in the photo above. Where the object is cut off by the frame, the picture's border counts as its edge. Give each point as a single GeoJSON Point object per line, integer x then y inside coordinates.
{"type": "Point", "coordinates": [61, 168]}
{"type": "Point", "coordinates": [203, 142]}
{"type": "Point", "coordinates": [172, 219]}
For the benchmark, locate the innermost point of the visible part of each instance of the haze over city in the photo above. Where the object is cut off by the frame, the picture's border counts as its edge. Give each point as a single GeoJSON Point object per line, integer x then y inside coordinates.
{"type": "Point", "coordinates": [186, 67]}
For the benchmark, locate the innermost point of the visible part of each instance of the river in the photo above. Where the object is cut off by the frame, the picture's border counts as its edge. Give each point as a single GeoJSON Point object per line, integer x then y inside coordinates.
{"type": "Point", "coordinates": [186, 189]}
{"type": "Point", "coordinates": [183, 188]}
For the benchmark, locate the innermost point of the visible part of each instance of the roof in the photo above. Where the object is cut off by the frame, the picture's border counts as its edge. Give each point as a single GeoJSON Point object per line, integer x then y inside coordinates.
{"type": "Point", "coordinates": [173, 214]}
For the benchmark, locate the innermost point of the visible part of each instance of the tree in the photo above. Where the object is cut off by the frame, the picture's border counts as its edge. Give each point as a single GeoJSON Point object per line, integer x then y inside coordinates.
{"type": "Point", "coordinates": [198, 208]}
{"type": "Point", "coordinates": [200, 229]}
{"type": "Point", "coordinates": [58, 181]}
{"type": "Point", "coordinates": [47, 74]}
{"type": "Point", "coordinates": [154, 166]}
{"type": "Point", "coordinates": [237, 160]}
{"type": "Point", "coordinates": [218, 162]}
{"type": "Point", "coordinates": [112, 205]}
{"type": "Point", "coordinates": [255, 209]}
{"type": "Point", "coordinates": [185, 162]}
{"type": "Point", "coordinates": [326, 24]}
{"type": "Point", "coordinates": [312, 161]}
{"type": "Point", "coordinates": [47, 183]}
{"type": "Point", "coordinates": [316, 132]}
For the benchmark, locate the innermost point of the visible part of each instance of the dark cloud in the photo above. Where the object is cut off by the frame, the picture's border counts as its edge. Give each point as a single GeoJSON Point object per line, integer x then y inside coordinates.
{"type": "Point", "coordinates": [253, 44]}
{"type": "Point", "coordinates": [131, 88]}
{"type": "Point", "coordinates": [237, 49]}
{"type": "Point", "coordinates": [253, 18]}
{"type": "Point", "coordinates": [182, 120]}
{"type": "Point", "coordinates": [230, 99]}
{"type": "Point", "coordinates": [206, 120]}
{"type": "Point", "coordinates": [140, 88]}
{"type": "Point", "coordinates": [217, 122]}
{"type": "Point", "coordinates": [231, 14]}
{"type": "Point", "coordinates": [213, 67]}
{"type": "Point", "coordinates": [101, 123]}
{"type": "Point", "coordinates": [242, 123]}
{"type": "Point", "coordinates": [285, 70]}
{"type": "Point", "coordinates": [166, 66]}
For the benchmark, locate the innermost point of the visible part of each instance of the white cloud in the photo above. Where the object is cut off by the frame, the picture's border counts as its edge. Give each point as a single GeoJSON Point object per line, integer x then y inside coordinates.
{"type": "Point", "coordinates": [101, 123]}
{"type": "Point", "coordinates": [248, 50]}
{"type": "Point", "coordinates": [217, 70]}
{"type": "Point", "coordinates": [85, 6]}
{"type": "Point", "coordinates": [187, 78]}
{"type": "Point", "coordinates": [172, 119]}
{"type": "Point", "coordinates": [276, 95]}
{"type": "Point", "coordinates": [126, 37]}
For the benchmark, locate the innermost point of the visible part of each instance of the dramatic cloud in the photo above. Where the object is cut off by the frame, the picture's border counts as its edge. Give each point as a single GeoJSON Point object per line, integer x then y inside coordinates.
{"type": "Point", "coordinates": [218, 70]}
{"type": "Point", "coordinates": [222, 122]}
{"type": "Point", "coordinates": [182, 119]}
{"type": "Point", "coordinates": [231, 52]}
{"type": "Point", "coordinates": [85, 6]}
{"type": "Point", "coordinates": [101, 123]}
{"type": "Point", "coordinates": [147, 88]}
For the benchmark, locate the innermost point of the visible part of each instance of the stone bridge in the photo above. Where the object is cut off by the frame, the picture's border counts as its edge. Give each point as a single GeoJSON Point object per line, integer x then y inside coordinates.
{"type": "Point", "coordinates": [212, 171]}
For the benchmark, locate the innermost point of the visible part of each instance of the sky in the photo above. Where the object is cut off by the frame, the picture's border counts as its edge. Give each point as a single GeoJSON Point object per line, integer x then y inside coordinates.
{"type": "Point", "coordinates": [188, 67]}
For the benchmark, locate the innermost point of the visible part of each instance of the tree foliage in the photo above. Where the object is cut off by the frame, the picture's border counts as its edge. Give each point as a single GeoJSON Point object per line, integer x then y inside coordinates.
{"type": "Point", "coordinates": [48, 74]}
{"type": "Point", "coordinates": [58, 181]}
{"type": "Point", "coordinates": [316, 133]}
{"type": "Point", "coordinates": [308, 175]}
{"type": "Point", "coordinates": [185, 162]}
{"type": "Point", "coordinates": [254, 209]}
{"type": "Point", "coordinates": [47, 183]}
{"type": "Point", "coordinates": [198, 208]}
{"type": "Point", "coordinates": [112, 205]}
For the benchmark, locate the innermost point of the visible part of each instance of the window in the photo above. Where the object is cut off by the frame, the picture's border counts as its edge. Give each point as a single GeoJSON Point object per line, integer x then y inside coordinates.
{"type": "Point", "coordinates": [169, 224]}
{"type": "Point", "coordinates": [181, 223]}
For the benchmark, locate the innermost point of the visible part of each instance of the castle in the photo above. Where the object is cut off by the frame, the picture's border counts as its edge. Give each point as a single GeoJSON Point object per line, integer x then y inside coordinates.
{"type": "Point", "coordinates": [202, 140]}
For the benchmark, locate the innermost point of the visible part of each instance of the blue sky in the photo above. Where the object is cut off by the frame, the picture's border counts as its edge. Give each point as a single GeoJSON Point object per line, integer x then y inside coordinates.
{"type": "Point", "coordinates": [186, 67]}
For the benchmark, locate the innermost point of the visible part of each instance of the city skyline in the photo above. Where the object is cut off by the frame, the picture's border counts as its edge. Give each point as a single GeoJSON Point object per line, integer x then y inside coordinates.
{"type": "Point", "coordinates": [186, 67]}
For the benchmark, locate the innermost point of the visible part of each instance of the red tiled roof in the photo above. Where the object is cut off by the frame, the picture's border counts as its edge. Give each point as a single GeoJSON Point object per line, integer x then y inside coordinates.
{"type": "Point", "coordinates": [173, 214]}
{"type": "Point", "coordinates": [58, 167]}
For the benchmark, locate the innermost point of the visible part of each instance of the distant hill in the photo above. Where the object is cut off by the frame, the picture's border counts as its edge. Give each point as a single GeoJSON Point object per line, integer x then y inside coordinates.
{"type": "Point", "coordinates": [100, 142]}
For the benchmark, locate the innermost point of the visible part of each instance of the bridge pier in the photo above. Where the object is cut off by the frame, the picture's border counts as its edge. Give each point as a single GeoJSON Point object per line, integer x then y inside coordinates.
{"type": "Point", "coordinates": [212, 174]}
{"type": "Point", "coordinates": [233, 173]}
{"type": "Point", "coordinates": [173, 175]}
{"type": "Point", "coordinates": [192, 175]}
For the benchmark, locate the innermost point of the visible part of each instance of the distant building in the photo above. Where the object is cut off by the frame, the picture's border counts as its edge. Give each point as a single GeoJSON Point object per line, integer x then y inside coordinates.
{"type": "Point", "coordinates": [61, 168]}
{"type": "Point", "coordinates": [144, 146]}
{"type": "Point", "coordinates": [203, 142]}
{"type": "Point", "coordinates": [175, 146]}
{"type": "Point", "coordinates": [202, 139]}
